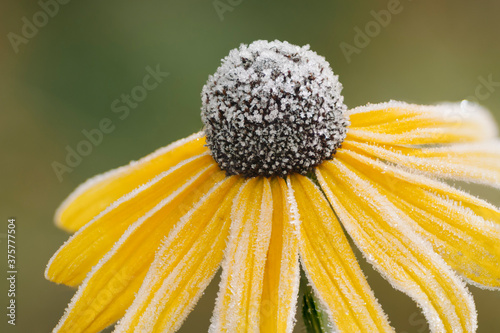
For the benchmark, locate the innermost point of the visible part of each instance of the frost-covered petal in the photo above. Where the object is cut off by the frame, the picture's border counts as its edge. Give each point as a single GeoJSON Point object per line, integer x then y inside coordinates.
{"type": "Point", "coordinates": [470, 243]}
{"type": "Point", "coordinates": [110, 287]}
{"type": "Point", "coordinates": [472, 162]}
{"type": "Point", "coordinates": [184, 265]}
{"type": "Point", "coordinates": [387, 241]}
{"type": "Point", "coordinates": [238, 304]}
{"type": "Point", "coordinates": [409, 124]}
{"type": "Point", "coordinates": [97, 193]}
{"type": "Point", "coordinates": [71, 263]}
{"type": "Point", "coordinates": [282, 272]}
{"type": "Point", "coordinates": [330, 264]}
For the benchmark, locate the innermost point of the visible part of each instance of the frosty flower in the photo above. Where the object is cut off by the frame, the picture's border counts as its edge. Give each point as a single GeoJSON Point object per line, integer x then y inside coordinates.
{"type": "Point", "coordinates": [261, 187]}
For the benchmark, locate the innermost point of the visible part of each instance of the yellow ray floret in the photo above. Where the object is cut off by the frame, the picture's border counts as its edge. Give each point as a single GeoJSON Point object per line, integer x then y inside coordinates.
{"type": "Point", "coordinates": [282, 272]}
{"type": "Point", "coordinates": [330, 264]}
{"type": "Point", "coordinates": [110, 287]}
{"type": "Point", "coordinates": [71, 263]}
{"type": "Point", "coordinates": [238, 303]}
{"type": "Point", "coordinates": [184, 265]}
{"type": "Point", "coordinates": [386, 239]}
{"type": "Point", "coordinates": [97, 193]}
{"type": "Point", "coordinates": [473, 162]}
{"type": "Point", "coordinates": [400, 123]}
{"type": "Point", "coordinates": [468, 242]}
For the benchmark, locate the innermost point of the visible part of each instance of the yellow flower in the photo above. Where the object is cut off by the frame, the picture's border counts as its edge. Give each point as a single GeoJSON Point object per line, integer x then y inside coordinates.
{"type": "Point", "coordinates": [278, 167]}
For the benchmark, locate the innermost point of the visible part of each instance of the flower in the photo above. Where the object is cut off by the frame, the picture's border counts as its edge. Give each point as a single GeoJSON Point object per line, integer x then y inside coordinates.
{"type": "Point", "coordinates": [280, 166]}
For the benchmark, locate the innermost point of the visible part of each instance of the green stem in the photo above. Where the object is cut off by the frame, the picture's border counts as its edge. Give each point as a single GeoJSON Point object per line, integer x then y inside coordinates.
{"type": "Point", "coordinates": [314, 319]}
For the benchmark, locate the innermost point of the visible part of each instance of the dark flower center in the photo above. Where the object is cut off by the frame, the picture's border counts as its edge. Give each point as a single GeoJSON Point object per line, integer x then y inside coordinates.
{"type": "Point", "coordinates": [272, 109]}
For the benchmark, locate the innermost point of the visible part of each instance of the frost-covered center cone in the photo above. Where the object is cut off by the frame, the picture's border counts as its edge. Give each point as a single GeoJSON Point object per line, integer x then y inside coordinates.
{"type": "Point", "coordinates": [271, 109]}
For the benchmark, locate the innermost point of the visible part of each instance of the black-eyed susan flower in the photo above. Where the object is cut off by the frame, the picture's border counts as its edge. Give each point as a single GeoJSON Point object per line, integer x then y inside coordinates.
{"type": "Point", "coordinates": [280, 165]}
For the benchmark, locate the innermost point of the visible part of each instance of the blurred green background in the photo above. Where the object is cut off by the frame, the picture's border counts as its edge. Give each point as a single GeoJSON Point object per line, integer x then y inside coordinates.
{"type": "Point", "coordinates": [64, 79]}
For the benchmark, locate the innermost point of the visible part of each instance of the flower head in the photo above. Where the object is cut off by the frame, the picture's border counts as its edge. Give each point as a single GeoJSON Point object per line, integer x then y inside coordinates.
{"type": "Point", "coordinates": [151, 235]}
{"type": "Point", "coordinates": [272, 109]}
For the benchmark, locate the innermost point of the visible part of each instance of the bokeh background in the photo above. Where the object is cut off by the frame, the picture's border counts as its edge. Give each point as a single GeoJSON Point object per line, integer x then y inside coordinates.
{"type": "Point", "coordinates": [63, 80]}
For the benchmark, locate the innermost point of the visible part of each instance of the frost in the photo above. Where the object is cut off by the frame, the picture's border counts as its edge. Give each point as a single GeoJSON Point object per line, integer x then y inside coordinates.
{"type": "Point", "coordinates": [80, 300]}
{"type": "Point", "coordinates": [239, 297]}
{"type": "Point", "coordinates": [406, 260]}
{"type": "Point", "coordinates": [403, 123]}
{"type": "Point", "coordinates": [118, 172]}
{"type": "Point", "coordinates": [267, 101]}
{"type": "Point", "coordinates": [473, 162]}
{"type": "Point", "coordinates": [170, 278]}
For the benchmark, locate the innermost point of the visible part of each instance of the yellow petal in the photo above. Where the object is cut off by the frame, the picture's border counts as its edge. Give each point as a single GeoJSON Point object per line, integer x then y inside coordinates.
{"type": "Point", "coordinates": [408, 124]}
{"type": "Point", "coordinates": [238, 303]}
{"type": "Point", "coordinates": [476, 162]}
{"type": "Point", "coordinates": [97, 193]}
{"type": "Point", "coordinates": [478, 206]}
{"type": "Point", "coordinates": [183, 267]}
{"type": "Point", "coordinates": [468, 242]}
{"type": "Point", "coordinates": [331, 266]}
{"type": "Point", "coordinates": [386, 239]}
{"type": "Point", "coordinates": [282, 273]}
{"type": "Point", "coordinates": [110, 287]}
{"type": "Point", "coordinates": [71, 263]}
